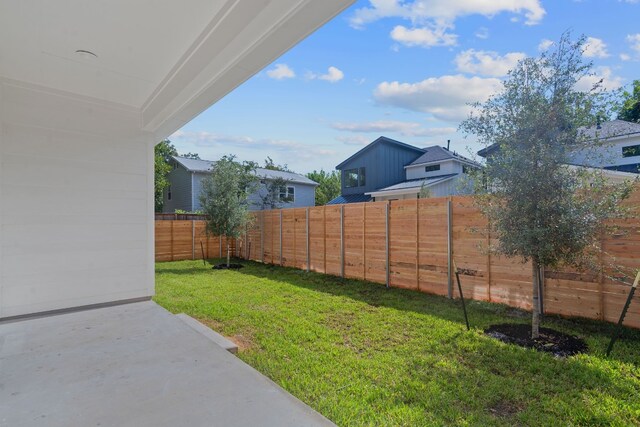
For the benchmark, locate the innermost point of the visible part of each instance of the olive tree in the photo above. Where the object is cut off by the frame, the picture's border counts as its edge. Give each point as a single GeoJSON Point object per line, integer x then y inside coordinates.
{"type": "Point", "coordinates": [540, 209]}
{"type": "Point", "coordinates": [224, 198]}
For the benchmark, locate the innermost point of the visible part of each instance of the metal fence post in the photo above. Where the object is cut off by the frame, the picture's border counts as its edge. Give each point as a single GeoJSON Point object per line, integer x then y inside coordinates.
{"type": "Point", "coordinates": [281, 237]}
{"type": "Point", "coordinates": [386, 243]}
{"type": "Point", "coordinates": [341, 240]}
{"type": "Point", "coordinates": [308, 254]}
{"type": "Point", "coordinates": [449, 249]}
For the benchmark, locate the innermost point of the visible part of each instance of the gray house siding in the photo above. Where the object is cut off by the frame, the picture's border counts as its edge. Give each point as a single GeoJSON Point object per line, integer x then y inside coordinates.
{"type": "Point", "coordinates": [383, 165]}
{"type": "Point", "coordinates": [180, 185]}
{"type": "Point", "coordinates": [305, 195]}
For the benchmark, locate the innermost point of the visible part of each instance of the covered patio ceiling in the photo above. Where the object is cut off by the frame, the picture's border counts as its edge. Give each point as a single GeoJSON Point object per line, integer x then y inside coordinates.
{"type": "Point", "coordinates": [169, 60]}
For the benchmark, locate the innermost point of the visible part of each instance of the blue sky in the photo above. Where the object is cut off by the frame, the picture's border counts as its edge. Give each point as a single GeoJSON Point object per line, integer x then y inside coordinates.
{"type": "Point", "coordinates": [402, 69]}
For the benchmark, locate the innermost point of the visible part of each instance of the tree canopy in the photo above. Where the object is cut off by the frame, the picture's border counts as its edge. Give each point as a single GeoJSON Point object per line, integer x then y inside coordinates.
{"type": "Point", "coordinates": [630, 109]}
{"type": "Point", "coordinates": [163, 152]}
{"type": "Point", "coordinates": [539, 208]}
{"type": "Point", "coordinates": [329, 185]}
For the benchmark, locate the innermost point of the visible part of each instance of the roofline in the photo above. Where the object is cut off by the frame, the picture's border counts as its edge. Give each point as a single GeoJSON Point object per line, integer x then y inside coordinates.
{"type": "Point", "coordinates": [408, 190]}
{"type": "Point", "coordinates": [470, 162]}
{"type": "Point", "coordinates": [379, 139]}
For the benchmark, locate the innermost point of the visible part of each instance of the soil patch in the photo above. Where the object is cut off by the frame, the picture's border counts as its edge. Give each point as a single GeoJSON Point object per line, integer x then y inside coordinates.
{"type": "Point", "coordinates": [505, 408]}
{"type": "Point", "coordinates": [224, 266]}
{"type": "Point", "coordinates": [550, 341]}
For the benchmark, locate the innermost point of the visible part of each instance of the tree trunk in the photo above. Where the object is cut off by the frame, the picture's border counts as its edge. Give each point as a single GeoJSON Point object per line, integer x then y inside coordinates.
{"type": "Point", "coordinates": [535, 306]}
{"type": "Point", "coordinates": [228, 255]}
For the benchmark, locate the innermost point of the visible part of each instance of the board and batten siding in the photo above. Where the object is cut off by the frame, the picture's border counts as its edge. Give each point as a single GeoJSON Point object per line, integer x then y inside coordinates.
{"type": "Point", "coordinates": [181, 195]}
{"type": "Point", "coordinates": [76, 202]}
{"type": "Point", "coordinates": [384, 166]}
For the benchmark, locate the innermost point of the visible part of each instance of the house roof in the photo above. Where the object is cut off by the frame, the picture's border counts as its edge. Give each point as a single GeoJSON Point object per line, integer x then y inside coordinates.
{"type": "Point", "coordinates": [205, 166]}
{"type": "Point", "coordinates": [609, 129]}
{"type": "Point", "coordinates": [436, 153]}
{"type": "Point", "coordinates": [416, 183]}
{"type": "Point", "coordinates": [350, 198]}
{"type": "Point", "coordinates": [381, 140]}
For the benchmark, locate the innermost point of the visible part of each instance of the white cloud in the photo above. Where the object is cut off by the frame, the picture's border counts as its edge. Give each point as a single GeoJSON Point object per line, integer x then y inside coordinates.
{"type": "Point", "coordinates": [280, 72]}
{"type": "Point", "coordinates": [487, 63]}
{"type": "Point", "coordinates": [403, 128]}
{"type": "Point", "coordinates": [333, 75]}
{"type": "Point", "coordinates": [482, 33]}
{"type": "Point", "coordinates": [595, 48]}
{"type": "Point", "coordinates": [232, 143]}
{"type": "Point", "coordinates": [625, 57]}
{"type": "Point", "coordinates": [445, 11]}
{"type": "Point", "coordinates": [423, 37]}
{"type": "Point", "coordinates": [634, 42]}
{"type": "Point", "coordinates": [446, 97]}
{"type": "Point", "coordinates": [609, 80]}
{"type": "Point", "coordinates": [545, 44]}
{"type": "Point", "coordinates": [354, 139]}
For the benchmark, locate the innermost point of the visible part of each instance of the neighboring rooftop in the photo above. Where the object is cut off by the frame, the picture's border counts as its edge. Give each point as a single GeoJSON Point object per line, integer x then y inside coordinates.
{"type": "Point", "coordinates": [205, 166]}
{"type": "Point", "coordinates": [350, 198]}
{"type": "Point", "coordinates": [606, 130]}
{"type": "Point", "coordinates": [436, 153]}
{"type": "Point", "coordinates": [381, 140]}
{"type": "Point", "coordinates": [416, 183]}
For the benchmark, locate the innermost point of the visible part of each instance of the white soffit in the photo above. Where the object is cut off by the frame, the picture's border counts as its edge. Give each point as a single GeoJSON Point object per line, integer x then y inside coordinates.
{"type": "Point", "coordinates": [169, 59]}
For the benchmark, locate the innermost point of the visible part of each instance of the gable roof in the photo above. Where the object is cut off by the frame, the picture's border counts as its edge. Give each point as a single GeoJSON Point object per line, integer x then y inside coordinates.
{"type": "Point", "coordinates": [381, 140]}
{"type": "Point", "coordinates": [436, 153]}
{"type": "Point", "coordinates": [416, 183]}
{"type": "Point", "coordinates": [609, 129]}
{"type": "Point", "coordinates": [350, 198]}
{"type": "Point", "coordinates": [205, 166]}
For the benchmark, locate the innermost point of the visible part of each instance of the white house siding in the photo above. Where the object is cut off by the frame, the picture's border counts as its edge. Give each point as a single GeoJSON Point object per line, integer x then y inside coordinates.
{"type": "Point", "coordinates": [446, 188]}
{"type": "Point", "coordinates": [181, 184]}
{"type": "Point", "coordinates": [446, 167]}
{"type": "Point", "coordinates": [76, 202]}
{"type": "Point", "coordinates": [608, 154]}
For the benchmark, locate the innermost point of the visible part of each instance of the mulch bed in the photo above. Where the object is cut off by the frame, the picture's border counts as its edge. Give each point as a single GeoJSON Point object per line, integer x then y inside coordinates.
{"type": "Point", "coordinates": [550, 341]}
{"type": "Point", "coordinates": [224, 266]}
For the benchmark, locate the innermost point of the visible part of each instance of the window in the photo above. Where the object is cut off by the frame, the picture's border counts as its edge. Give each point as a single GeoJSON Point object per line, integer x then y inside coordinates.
{"type": "Point", "coordinates": [351, 178]}
{"type": "Point", "coordinates": [169, 193]}
{"type": "Point", "coordinates": [287, 194]}
{"type": "Point", "coordinates": [361, 177]}
{"type": "Point", "coordinates": [354, 178]}
{"type": "Point", "coordinates": [432, 168]}
{"type": "Point", "coordinates": [631, 151]}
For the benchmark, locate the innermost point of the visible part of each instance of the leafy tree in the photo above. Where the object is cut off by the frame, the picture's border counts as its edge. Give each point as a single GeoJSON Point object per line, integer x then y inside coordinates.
{"type": "Point", "coordinates": [630, 110]}
{"type": "Point", "coordinates": [329, 185]}
{"type": "Point", "coordinates": [194, 156]}
{"type": "Point", "coordinates": [274, 193]}
{"type": "Point", "coordinates": [270, 165]}
{"type": "Point", "coordinates": [540, 209]}
{"type": "Point", "coordinates": [224, 198]}
{"type": "Point", "coordinates": [163, 152]}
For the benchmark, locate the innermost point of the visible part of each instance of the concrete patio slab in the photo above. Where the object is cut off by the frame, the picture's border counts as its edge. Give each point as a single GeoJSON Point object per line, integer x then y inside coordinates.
{"type": "Point", "coordinates": [132, 365]}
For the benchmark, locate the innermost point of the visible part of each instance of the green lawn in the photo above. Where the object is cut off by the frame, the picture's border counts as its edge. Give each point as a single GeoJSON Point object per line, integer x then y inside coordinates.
{"type": "Point", "coordinates": [361, 354]}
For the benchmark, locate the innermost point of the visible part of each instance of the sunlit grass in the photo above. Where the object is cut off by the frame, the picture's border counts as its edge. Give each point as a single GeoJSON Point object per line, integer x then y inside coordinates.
{"type": "Point", "coordinates": [361, 354]}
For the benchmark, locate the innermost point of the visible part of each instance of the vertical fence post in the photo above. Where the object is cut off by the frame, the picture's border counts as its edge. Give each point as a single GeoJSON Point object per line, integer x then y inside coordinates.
{"type": "Point", "coordinates": [324, 239]}
{"type": "Point", "coordinates": [308, 245]}
{"type": "Point", "coordinates": [262, 237]}
{"type": "Point", "coordinates": [449, 249]}
{"type": "Point", "coordinates": [280, 236]}
{"type": "Point", "coordinates": [364, 241]}
{"type": "Point", "coordinates": [341, 240]}
{"type": "Point", "coordinates": [489, 262]}
{"type": "Point", "coordinates": [172, 240]}
{"type": "Point", "coordinates": [386, 242]}
{"type": "Point", "coordinates": [193, 239]}
{"type": "Point", "coordinates": [220, 247]}
{"type": "Point", "coordinates": [418, 243]}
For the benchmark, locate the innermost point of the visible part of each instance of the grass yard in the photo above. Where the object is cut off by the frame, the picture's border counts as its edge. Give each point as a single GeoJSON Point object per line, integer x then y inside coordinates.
{"type": "Point", "coordinates": [361, 354]}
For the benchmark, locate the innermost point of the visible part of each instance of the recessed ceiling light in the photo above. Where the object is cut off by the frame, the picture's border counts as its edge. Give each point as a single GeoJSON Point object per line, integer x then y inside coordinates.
{"type": "Point", "coordinates": [86, 54]}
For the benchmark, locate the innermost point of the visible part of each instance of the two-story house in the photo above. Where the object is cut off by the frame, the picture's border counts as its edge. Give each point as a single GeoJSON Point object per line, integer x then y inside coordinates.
{"type": "Point", "coordinates": [387, 169]}
{"type": "Point", "coordinates": [185, 184]}
{"type": "Point", "coordinates": [617, 148]}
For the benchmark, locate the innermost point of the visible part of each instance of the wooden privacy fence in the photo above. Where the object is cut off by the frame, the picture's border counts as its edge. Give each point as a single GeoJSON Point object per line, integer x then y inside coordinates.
{"type": "Point", "coordinates": [179, 240]}
{"type": "Point", "coordinates": [411, 244]}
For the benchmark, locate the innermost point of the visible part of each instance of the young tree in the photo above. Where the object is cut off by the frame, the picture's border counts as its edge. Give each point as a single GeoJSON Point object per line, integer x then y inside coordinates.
{"type": "Point", "coordinates": [224, 198]}
{"type": "Point", "coordinates": [630, 109]}
{"type": "Point", "coordinates": [329, 185]}
{"type": "Point", "coordinates": [540, 209]}
{"type": "Point", "coordinates": [163, 152]}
